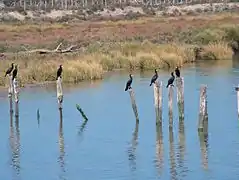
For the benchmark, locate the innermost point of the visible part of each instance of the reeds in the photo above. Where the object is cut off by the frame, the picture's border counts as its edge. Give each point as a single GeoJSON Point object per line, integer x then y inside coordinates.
{"type": "Point", "coordinates": [91, 64]}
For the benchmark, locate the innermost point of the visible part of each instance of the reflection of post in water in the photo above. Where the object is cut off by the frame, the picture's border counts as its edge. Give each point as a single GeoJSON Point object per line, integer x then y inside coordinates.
{"type": "Point", "coordinates": [203, 138]}
{"type": "Point", "coordinates": [181, 148]}
{"type": "Point", "coordinates": [172, 155]}
{"type": "Point", "coordinates": [61, 158]}
{"type": "Point", "coordinates": [14, 140]}
{"type": "Point", "coordinates": [159, 148]}
{"type": "Point", "coordinates": [132, 149]}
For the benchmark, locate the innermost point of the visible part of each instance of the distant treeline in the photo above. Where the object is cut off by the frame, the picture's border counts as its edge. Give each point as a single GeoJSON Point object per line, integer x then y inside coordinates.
{"type": "Point", "coordinates": [48, 5]}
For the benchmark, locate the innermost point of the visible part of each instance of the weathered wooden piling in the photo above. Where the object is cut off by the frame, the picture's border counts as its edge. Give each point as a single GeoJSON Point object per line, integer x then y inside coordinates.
{"type": "Point", "coordinates": [202, 107]}
{"type": "Point", "coordinates": [158, 101]}
{"type": "Point", "coordinates": [10, 93]}
{"type": "Point", "coordinates": [16, 95]}
{"type": "Point", "coordinates": [59, 92]}
{"type": "Point", "coordinates": [170, 106]}
{"type": "Point", "coordinates": [180, 97]}
{"type": "Point", "coordinates": [134, 106]}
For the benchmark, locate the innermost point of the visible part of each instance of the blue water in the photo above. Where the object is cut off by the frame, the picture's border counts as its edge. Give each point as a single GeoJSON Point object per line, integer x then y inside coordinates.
{"type": "Point", "coordinates": [107, 147]}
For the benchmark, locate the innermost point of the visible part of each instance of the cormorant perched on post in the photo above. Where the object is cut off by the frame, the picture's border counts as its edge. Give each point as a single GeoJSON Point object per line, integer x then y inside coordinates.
{"type": "Point", "coordinates": [154, 78]}
{"type": "Point", "coordinates": [177, 71]}
{"type": "Point", "coordinates": [14, 73]}
{"type": "Point", "coordinates": [59, 71]}
{"type": "Point", "coordinates": [129, 82]}
{"type": "Point", "coordinates": [9, 70]}
{"type": "Point", "coordinates": [171, 80]}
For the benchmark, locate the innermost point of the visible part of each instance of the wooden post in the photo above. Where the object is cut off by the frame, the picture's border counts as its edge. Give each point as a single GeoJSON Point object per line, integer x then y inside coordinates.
{"type": "Point", "coordinates": [180, 97]}
{"type": "Point", "coordinates": [170, 106]}
{"type": "Point", "coordinates": [10, 93]}
{"type": "Point", "coordinates": [16, 95]}
{"type": "Point", "coordinates": [59, 92]}
{"type": "Point", "coordinates": [202, 110]}
{"type": "Point", "coordinates": [158, 101]}
{"type": "Point", "coordinates": [134, 106]}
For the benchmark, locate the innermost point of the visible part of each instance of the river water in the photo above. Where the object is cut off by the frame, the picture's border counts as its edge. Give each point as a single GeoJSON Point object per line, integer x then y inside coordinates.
{"type": "Point", "coordinates": [109, 145]}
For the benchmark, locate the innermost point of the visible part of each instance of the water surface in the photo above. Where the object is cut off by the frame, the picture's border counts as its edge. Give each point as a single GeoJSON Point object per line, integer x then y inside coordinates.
{"type": "Point", "coordinates": [110, 145]}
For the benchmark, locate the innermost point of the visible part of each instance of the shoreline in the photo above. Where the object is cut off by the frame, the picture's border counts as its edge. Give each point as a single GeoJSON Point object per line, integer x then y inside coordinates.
{"type": "Point", "coordinates": [88, 51]}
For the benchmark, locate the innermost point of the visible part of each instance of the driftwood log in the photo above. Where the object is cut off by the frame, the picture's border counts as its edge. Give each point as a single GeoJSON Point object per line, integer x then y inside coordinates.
{"type": "Point", "coordinates": [70, 49]}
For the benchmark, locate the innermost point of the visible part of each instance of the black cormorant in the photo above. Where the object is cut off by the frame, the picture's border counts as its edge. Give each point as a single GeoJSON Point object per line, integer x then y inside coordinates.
{"type": "Point", "coordinates": [129, 82]}
{"type": "Point", "coordinates": [59, 71]}
{"type": "Point", "coordinates": [171, 80]}
{"type": "Point", "coordinates": [177, 72]}
{"type": "Point", "coordinates": [154, 78]}
{"type": "Point", "coordinates": [14, 73]}
{"type": "Point", "coordinates": [9, 70]}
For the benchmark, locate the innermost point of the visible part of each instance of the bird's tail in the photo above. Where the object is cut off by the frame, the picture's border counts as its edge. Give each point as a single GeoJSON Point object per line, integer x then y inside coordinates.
{"type": "Point", "coordinates": [5, 75]}
{"type": "Point", "coordinates": [167, 86]}
{"type": "Point", "coordinates": [126, 89]}
{"type": "Point", "coordinates": [150, 84]}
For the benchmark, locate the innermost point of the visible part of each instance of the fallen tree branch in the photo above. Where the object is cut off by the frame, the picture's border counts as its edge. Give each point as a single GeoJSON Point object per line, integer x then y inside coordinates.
{"type": "Point", "coordinates": [72, 48]}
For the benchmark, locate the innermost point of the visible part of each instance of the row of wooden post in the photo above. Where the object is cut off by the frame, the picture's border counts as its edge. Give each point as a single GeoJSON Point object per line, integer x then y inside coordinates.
{"type": "Point", "coordinates": [158, 101]}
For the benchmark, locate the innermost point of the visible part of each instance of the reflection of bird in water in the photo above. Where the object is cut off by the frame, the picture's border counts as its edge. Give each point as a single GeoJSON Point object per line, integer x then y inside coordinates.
{"type": "Point", "coordinates": [9, 70]}
{"type": "Point", "coordinates": [154, 78]}
{"type": "Point", "coordinates": [14, 73]}
{"type": "Point", "coordinates": [177, 72]}
{"type": "Point", "coordinates": [171, 80]}
{"type": "Point", "coordinates": [129, 82]}
{"type": "Point", "coordinates": [59, 71]}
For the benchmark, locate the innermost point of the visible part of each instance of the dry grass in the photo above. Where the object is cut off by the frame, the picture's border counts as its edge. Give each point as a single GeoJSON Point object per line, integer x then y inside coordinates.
{"type": "Point", "coordinates": [92, 64]}
{"type": "Point", "coordinates": [221, 50]}
{"type": "Point", "coordinates": [22, 27]}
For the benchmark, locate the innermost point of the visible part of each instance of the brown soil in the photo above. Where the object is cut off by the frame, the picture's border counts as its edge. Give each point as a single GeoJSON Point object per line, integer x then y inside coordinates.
{"type": "Point", "coordinates": [92, 31]}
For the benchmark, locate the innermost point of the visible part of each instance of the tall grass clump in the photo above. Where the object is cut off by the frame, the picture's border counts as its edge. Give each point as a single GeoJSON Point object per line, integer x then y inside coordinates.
{"type": "Point", "coordinates": [221, 50]}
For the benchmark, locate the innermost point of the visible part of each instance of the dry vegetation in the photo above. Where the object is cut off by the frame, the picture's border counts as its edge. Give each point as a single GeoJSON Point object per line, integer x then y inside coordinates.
{"type": "Point", "coordinates": [145, 43]}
